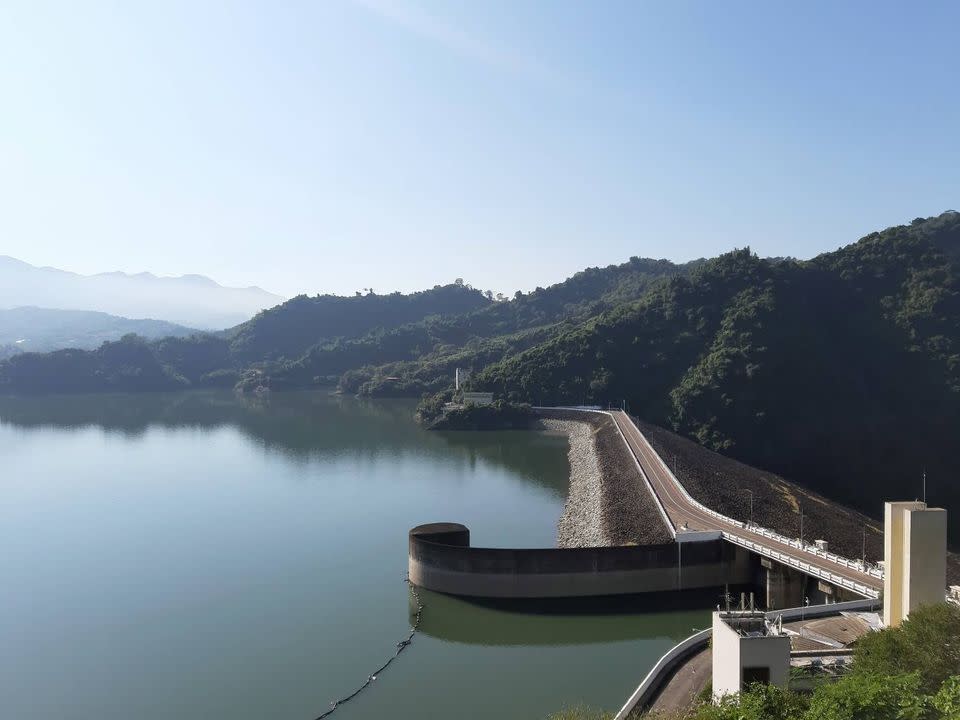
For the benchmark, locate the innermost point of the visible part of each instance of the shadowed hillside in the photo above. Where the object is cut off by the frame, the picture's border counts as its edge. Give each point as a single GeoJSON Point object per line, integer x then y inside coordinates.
{"type": "Point", "coordinates": [841, 372]}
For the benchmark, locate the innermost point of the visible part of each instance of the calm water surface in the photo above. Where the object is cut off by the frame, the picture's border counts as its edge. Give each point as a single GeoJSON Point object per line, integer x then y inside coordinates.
{"type": "Point", "coordinates": [199, 556]}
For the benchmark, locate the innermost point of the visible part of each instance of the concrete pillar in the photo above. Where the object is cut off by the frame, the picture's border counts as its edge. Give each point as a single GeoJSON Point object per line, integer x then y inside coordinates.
{"type": "Point", "coordinates": [783, 586]}
{"type": "Point", "coordinates": [915, 558]}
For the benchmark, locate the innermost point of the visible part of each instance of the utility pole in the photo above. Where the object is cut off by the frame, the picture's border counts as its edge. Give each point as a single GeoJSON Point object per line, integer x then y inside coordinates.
{"type": "Point", "coordinates": [864, 555]}
{"type": "Point", "coordinates": [751, 502]}
{"type": "Point", "coordinates": [924, 484]}
{"type": "Point", "coordinates": [801, 526]}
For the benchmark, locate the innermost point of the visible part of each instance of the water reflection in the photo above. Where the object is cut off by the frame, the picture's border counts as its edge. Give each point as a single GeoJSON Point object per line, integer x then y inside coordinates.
{"type": "Point", "coordinates": [300, 425]}
{"type": "Point", "coordinates": [540, 623]}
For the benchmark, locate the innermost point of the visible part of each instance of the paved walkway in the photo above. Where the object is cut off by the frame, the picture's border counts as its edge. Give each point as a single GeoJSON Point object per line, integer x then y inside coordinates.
{"type": "Point", "coordinates": [687, 682]}
{"type": "Point", "coordinates": [684, 513]}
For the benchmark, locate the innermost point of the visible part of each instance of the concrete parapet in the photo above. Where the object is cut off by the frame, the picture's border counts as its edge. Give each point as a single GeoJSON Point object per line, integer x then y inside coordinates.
{"type": "Point", "coordinates": [441, 559]}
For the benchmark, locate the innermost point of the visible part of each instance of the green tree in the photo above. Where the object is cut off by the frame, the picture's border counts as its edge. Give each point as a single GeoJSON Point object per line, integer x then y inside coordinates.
{"type": "Point", "coordinates": [927, 643]}
{"type": "Point", "coordinates": [871, 697]}
{"type": "Point", "coordinates": [758, 702]}
{"type": "Point", "coordinates": [947, 700]}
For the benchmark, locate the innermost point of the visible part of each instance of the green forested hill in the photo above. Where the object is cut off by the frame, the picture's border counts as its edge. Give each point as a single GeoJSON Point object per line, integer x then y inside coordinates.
{"type": "Point", "coordinates": [203, 359]}
{"type": "Point", "coordinates": [288, 330]}
{"type": "Point", "coordinates": [841, 372]}
{"type": "Point", "coordinates": [422, 356]}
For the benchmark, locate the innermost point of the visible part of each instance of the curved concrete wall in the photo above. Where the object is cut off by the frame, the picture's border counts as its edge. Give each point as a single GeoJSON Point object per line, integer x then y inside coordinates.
{"type": "Point", "coordinates": [441, 559]}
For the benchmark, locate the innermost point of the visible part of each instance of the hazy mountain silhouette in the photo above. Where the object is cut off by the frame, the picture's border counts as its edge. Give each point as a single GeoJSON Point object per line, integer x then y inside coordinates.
{"type": "Point", "coordinates": [32, 329]}
{"type": "Point", "coordinates": [192, 300]}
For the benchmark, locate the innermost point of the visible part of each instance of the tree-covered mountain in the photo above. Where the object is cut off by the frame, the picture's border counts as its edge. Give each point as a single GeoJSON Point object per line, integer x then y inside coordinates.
{"type": "Point", "coordinates": [426, 353]}
{"type": "Point", "coordinates": [839, 372]}
{"type": "Point", "coordinates": [287, 331]}
{"type": "Point", "coordinates": [204, 360]}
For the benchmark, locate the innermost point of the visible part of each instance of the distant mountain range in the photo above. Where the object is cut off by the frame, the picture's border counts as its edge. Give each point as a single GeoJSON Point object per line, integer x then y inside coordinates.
{"type": "Point", "coordinates": [32, 329]}
{"type": "Point", "coordinates": [191, 300]}
{"type": "Point", "coordinates": [841, 372]}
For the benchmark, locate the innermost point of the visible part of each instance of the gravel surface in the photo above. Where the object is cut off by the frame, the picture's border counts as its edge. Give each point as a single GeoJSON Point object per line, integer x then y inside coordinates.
{"type": "Point", "coordinates": [608, 502]}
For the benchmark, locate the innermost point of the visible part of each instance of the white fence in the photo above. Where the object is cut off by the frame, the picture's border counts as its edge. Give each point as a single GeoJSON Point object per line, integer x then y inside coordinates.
{"type": "Point", "coordinates": [857, 565]}
{"type": "Point", "coordinates": [807, 568]}
{"type": "Point", "coordinates": [657, 675]}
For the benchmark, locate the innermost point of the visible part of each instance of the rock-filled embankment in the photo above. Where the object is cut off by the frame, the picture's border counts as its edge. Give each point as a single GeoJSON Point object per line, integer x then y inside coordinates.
{"type": "Point", "coordinates": [608, 502]}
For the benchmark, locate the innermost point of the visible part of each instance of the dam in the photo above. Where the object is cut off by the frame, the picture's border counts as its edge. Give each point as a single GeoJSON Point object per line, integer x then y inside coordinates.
{"type": "Point", "coordinates": [441, 559]}
{"type": "Point", "coordinates": [709, 550]}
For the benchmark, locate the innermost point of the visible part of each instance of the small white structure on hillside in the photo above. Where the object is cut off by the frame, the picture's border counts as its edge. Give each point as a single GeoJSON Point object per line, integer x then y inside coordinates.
{"type": "Point", "coordinates": [915, 558]}
{"type": "Point", "coordinates": [478, 398]}
{"type": "Point", "coordinates": [747, 649]}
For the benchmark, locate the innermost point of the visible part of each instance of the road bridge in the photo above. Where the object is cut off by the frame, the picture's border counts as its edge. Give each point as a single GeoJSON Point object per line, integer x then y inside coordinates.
{"type": "Point", "coordinates": [684, 514]}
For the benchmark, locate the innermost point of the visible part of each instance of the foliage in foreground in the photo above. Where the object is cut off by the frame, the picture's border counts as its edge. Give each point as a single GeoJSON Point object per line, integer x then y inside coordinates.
{"type": "Point", "coordinates": [581, 712]}
{"type": "Point", "coordinates": [927, 643]}
{"type": "Point", "coordinates": [906, 673]}
{"type": "Point", "coordinates": [856, 697]}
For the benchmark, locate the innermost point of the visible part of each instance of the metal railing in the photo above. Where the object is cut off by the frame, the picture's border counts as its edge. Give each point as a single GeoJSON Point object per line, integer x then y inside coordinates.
{"type": "Point", "coordinates": [857, 565]}
{"type": "Point", "coordinates": [823, 574]}
{"type": "Point", "coordinates": [807, 568]}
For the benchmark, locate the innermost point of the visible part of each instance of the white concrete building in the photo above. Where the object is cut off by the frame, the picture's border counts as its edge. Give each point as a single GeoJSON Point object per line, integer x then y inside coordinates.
{"type": "Point", "coordinates": [915, 558]}
{"type": "Point", "coordinates": [745, 650]}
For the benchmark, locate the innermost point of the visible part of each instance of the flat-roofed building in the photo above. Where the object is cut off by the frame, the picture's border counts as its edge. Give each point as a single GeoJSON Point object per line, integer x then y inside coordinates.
{"type": "Point", "coordinates": [746, 649]}
{"type": "Point", "coordinates": [478, 398]}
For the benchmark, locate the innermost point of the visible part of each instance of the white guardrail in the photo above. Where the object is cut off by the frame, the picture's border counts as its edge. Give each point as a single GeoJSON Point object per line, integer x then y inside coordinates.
{"type": "Point", "coordinates": [658, 674]}
{"type": "Point", "coordinates": [814, 570]}
{"type": "Point", "coordinates": [651, 683]}
{"type": "Point", "coordinates": [784, 540]}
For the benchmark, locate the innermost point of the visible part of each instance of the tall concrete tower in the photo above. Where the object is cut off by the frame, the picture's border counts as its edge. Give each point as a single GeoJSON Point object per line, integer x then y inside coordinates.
{"type": "Point", "coordinates": [915, 558]}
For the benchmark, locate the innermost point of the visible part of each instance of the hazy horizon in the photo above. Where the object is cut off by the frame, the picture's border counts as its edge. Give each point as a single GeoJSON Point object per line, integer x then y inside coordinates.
{"type": "Point", "coordinates": [325, 148]}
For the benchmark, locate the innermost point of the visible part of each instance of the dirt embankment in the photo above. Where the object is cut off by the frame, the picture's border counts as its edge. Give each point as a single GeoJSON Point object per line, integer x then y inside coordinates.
{"type": "Point", "coordinates": [725, 485]}
{"type": "Point", "coordinates": [608, 502]}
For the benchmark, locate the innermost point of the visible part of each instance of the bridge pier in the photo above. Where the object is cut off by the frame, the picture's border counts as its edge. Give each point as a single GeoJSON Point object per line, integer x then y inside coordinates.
{"type": "Point", "coordinates": [783, 586]}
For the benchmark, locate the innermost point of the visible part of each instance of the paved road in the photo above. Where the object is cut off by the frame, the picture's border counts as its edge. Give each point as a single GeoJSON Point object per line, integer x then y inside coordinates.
{"type": "Point", "coordinates": [684, 685]}
{"type": "Point", "coordinates": [683, 513]}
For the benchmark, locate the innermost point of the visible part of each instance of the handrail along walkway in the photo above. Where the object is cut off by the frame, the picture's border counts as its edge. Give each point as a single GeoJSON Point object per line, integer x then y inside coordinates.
{"type": "Point", "coordinates": [859, 578]}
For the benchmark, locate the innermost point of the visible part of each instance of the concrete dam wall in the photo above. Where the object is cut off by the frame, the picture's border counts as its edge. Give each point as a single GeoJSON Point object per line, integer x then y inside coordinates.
{"type": "Point", "coordinates": [441, 559]}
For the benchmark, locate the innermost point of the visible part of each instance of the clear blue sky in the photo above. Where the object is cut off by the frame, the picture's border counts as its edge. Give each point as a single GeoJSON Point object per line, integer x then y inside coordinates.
{"type": "Point", "coordinates": [330, 145]}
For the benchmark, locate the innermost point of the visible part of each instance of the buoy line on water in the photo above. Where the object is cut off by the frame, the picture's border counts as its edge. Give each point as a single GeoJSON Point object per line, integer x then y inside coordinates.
{"type": "Point", "coordinates": [401, 646]}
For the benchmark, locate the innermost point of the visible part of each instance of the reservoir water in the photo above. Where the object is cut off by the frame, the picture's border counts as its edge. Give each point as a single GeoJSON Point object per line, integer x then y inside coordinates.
{"type": "Point", "coordinates": [199, 556]}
